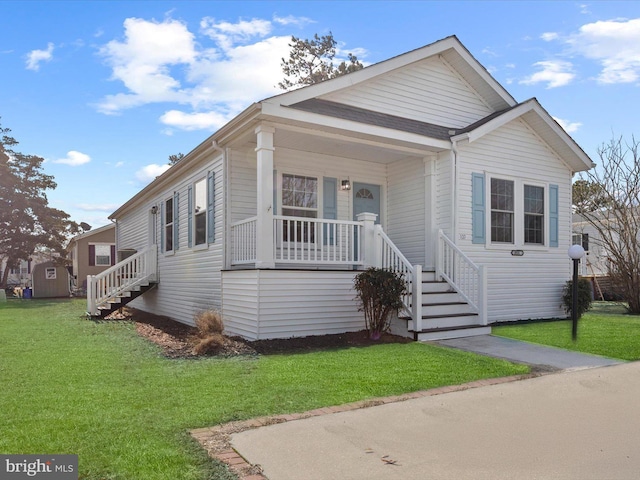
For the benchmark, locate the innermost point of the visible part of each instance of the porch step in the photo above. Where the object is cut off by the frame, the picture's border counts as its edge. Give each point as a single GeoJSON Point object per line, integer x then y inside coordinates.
{"type": "Point", "coordinates": [122, 299]}
{"type": "Point", "coordinates": [432, 334]}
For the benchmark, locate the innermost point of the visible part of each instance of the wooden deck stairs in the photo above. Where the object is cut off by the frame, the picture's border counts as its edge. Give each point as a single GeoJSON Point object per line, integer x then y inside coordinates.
{"type": "Point", "coordinates": [122, 299]}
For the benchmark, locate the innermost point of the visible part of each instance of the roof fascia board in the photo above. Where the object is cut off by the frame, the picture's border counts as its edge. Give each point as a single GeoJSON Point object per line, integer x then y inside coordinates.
{"type": "Point", "coordinates": [284, 113]}
{"type": "Point", "coordinates": [345, 81]}
{"type": "Point", "coordinates": [531, 105]}
{"type": "Point", "coordinates": [229, 129]}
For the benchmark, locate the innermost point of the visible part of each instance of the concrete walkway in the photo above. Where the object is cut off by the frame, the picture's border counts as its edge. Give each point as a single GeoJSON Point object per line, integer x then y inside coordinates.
{"type": "Point", "coordinates": [575, 424]}
{"type": "Point", "coordinates": [529, 353]}
{"type": "Point", "coordinates": [578, 424]}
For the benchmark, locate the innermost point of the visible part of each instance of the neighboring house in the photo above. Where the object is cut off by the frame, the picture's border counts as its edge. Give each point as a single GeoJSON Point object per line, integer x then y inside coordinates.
{"type": "Point", "coordinates": [91, 253]}
{"type": "Point", "coordinates": [423, 164]}
{"type": "Point", "coordinates": [50, 280]}
{"type": "Point", "coordinates": [19, 276]}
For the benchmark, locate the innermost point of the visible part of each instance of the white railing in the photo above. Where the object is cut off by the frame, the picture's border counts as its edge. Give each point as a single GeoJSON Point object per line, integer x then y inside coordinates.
{"type": "Point", "coordinates": [464, 276]}
{"type": "Point", "coordinates": [122, 277]}
{"type": "Point", "coordinates": [392, 259]}
{"type": "Point", "coordinates": [244, 241]}
{"type": "Point", "coordinates": [317, 241]}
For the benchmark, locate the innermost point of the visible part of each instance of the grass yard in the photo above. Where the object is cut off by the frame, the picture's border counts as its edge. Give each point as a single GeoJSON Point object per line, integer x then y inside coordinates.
{"type": "Point", "coordinates": [99, 390]}
{"type": "Point", "coordinates": [605, 330]}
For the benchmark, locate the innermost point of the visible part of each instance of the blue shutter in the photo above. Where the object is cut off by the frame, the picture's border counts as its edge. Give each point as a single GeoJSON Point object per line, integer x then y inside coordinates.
{"type": "Point", "coordinates": [211, 226]}
{"type": "Point", "coordinates": [176, 218]}
{"type": "Point", "coordinates": [478, 216]}
{"type": "Point", "coordinates": [162, 226]}
{"type": "Point", "coordinates": [190, 216]}
{"type": "Point", "coordinates": [275, 192]}
{"type": "Point", "coordinates": [329, 205]}
{"type": "Point", "coordinates": [553, 216]}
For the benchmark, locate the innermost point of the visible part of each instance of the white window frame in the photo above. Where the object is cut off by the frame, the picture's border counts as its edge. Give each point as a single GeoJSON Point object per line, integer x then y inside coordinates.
{"type": "Point", "coordinates": [167, 222]}
{"type": "Point", "coordinates": [95, 254]}
{"type": "Point", "coordinates": [202, 213]}
{"type": "Point", "coordinates": [316, 210]}
{"type": "Point", "coordinates": [518, 214]}
{"type": "Point", "coordinates": [50, 273]}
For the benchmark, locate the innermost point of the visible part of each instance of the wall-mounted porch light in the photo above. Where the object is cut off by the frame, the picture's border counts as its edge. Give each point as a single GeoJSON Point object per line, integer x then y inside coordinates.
{"type": "Point", "coordinates": [345, 185]}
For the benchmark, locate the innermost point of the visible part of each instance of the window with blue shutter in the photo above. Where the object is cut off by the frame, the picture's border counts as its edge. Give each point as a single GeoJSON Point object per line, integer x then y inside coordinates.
{"type": "Point", "coordinates": [211, 193]}
{"type": "Point", "coordinates": [190, 216]}
{"type": "Point", "coordinates": [478, 216]}
{"type": "Point", "coordinates": [553, 216]}
{"type": "Point", "coordinates": [176, 217]}
{"type": "Point", "coordinates": [329, 207]}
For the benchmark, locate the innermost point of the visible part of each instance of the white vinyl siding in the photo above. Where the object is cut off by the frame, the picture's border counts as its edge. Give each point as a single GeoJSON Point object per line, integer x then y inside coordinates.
{"type": "Point", "coordinates": [428, 91]}
{"type": "Point", "coordinates": [536, 278]}
{"type": "Point", "coordinates": [190, 279]}
{"type": "Point", "coordinates": [133, 228]}
{"type": "Point", "coordinates": [289, 303]}
{"type": "Point", "coordinates": [406, 208]}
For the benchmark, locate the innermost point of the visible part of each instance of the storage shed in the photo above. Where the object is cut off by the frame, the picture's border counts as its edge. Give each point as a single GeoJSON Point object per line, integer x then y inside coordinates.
{"type": "Point", "coordinates": [50, 280]}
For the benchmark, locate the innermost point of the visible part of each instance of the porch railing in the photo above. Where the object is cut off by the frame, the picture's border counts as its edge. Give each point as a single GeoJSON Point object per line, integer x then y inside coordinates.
{"type": "Point", "coordinates": [393, 259]}
{"type": "Point", "coordinates": [315, 240]}
{"type": "Point", "coordinates": [122, 277]}
{"type": "Point", "coordinates": [463, 275]}
{"type": "Point", "coordinates": [244, 241]}
{"type": "Point", "coordinates": [299, 240]}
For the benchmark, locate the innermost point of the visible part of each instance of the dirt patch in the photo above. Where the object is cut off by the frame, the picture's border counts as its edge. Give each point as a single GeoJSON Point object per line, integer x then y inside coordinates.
{"type": "Point", "coordinates": [178, 340]}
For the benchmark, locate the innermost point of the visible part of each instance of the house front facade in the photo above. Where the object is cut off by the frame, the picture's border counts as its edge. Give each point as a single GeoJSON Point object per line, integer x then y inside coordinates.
{"type": "Point", "coordinates": [90, 253]}
{"type": "Point", "coordinates": [422, 164]}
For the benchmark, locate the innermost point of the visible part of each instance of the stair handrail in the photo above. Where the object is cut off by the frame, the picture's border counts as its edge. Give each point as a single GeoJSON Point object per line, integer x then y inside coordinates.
{"type": "Point", "coordinates": [393, 259]}
{"type": "Point", "coordinates": [467, 278]}
{"type": "Point", "coordinates": [121, 277]}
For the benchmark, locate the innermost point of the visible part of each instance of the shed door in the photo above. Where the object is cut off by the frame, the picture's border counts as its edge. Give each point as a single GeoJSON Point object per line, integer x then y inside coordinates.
{"type": "Point", "coordinates": [366, 198]}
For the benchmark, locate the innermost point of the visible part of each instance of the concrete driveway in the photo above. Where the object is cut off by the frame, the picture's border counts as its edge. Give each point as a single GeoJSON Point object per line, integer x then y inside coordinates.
{"type": "Point", "coordinates": [576, 424]}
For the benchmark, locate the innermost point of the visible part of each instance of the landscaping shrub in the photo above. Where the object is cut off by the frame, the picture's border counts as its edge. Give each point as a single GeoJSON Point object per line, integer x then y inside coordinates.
{"type": "Point", "coordinates": [584, 297]}
{"type": "Point", "coordinates": [209, 326]}
{"type": "Point", "coordinates": [380, 294]}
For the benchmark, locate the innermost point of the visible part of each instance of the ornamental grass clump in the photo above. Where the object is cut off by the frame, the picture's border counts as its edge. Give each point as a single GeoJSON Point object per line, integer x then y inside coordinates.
{"type": "Point", "coordinates": [209, 326]}
{"type": "Point", "coordinates": [380, 294]}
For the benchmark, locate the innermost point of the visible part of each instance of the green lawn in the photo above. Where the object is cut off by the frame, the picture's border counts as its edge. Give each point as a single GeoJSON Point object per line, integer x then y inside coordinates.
{"type": "Point", "coordinates": [605, 330]}
{"type": "Point", "coordinates": [70, 385]}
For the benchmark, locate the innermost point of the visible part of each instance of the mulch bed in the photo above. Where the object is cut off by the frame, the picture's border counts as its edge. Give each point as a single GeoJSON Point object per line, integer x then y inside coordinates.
{"type": "Point", "coordinates": [178, 340]}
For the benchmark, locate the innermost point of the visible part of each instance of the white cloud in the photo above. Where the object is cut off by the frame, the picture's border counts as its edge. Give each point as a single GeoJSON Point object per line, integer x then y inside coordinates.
{"type": "Point", "coordinates": [195, 121]}
{"type": "Point", "coordinates": [549, 36]}
{"type": "Point", "coordinates": [213, 73]}
{"type": "Point", "coordinates": [569, 127]}
{"type": "Point", "coordinates": [615, 44]}
{"type": "Point", "coordinates": [74, 159]}
{"type": "Point", "coordinates": [97, 207]}
{"type": "Point", "coordinates": [150, 172]}
{"type": "Point", "coordinates": [142, 62]}
{"type": "Point", "coordinates": [555, 73]}
{"type": "Point", "coordinates": [35, 57]}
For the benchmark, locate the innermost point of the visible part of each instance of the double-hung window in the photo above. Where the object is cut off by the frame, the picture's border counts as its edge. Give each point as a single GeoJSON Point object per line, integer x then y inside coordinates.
{"type": "Point", "coordinates": [519, 213]}
{"type": "Point", "coordinates": [299, 199]}
{"type": "Point", "coordinates": [200, 212]}
{"type": "Point", "coordinates": [103, 255]}
{"type": "Point", "coordinates": [168, 225]}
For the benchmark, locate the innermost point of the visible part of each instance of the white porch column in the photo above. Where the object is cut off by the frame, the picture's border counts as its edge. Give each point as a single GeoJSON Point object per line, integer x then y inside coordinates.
{"type": "Point", "coordinates": [264, 223]}
{"type": "Point", "coordinates": [371, 243]}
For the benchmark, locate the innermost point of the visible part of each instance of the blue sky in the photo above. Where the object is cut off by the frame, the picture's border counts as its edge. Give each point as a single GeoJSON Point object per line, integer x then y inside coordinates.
{"type": "Point", "coordinates": [105, 91]}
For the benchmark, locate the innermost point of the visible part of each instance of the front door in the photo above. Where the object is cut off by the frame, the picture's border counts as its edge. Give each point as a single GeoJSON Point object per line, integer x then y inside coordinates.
{"type": "Point", "coordinates": [366, 198]}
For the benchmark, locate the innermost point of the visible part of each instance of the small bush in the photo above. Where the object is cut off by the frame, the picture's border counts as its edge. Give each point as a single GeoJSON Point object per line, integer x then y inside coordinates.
{"type": "Point", "coordinates": [380, 294]}
{"type": "Point", "coordinates": [584, 297]}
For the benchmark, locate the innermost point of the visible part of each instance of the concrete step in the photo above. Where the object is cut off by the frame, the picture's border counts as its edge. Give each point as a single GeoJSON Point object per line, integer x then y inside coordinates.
{"type": "Point", "coordinates": [432, 334]}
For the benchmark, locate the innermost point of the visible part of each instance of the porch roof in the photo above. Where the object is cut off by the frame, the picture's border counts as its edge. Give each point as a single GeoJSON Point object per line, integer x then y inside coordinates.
{"type": "Point", "coordinates": [369, 117]}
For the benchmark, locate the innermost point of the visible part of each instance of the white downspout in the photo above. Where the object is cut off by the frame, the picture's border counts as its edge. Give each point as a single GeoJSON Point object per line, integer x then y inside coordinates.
{"type": "Point", "coordinates": [454, 187]}
{"type": "Point", "coordinates": [223, 152]}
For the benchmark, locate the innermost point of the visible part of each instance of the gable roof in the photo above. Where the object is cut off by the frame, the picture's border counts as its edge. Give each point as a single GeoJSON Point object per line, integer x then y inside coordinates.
{"type": "Point", "coordinates": [449, 48]}
{"type": "Point", "coordinates": [541, 122]}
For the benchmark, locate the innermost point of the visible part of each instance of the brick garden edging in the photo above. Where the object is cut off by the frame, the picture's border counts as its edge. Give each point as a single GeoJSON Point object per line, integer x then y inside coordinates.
{"type": "Point", "coordinates": [216, 440]}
